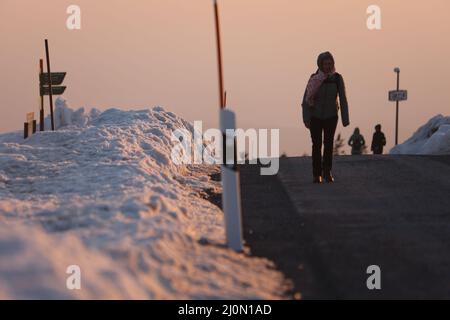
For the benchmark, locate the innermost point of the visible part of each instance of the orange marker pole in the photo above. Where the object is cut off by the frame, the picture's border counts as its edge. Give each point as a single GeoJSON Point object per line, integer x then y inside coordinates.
{"type": "Point", "coordinates": [219, 56]}
{"type": "Point", "coordinates": [41, 111]}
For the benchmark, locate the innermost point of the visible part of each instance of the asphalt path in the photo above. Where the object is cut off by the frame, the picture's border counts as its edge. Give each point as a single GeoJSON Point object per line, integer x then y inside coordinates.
{"type": "Point", "coordinates": [388, 211]}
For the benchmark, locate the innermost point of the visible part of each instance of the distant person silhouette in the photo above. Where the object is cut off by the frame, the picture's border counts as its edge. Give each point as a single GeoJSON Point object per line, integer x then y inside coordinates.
{"type": "Point", "coordinates": [378, 140]}
{"type": "Point", "coordinates": [320, 114]}
{"type": "Point", "coordinates": [357, 142]}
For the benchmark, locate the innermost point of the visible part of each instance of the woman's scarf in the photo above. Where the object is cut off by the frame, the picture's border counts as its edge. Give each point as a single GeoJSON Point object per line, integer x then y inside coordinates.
{"type": "Point", "coordinates": [314, 84]}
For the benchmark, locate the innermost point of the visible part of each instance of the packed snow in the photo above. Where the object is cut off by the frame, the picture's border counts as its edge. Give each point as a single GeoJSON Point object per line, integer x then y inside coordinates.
{"type": "Point", "coordinates": [102, 192]}
{"type": "Point", "coordinates": [431, 138]}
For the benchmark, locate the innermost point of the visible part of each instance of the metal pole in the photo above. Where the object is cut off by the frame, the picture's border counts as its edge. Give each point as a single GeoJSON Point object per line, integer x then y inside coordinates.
{"type": "Point", "coordinates": [49, 84]}
{"type": "Point", "coordinates": [219, 56]}
{"type": "Point", "coordinates": [396, 111]}
{"type": "Point", "coordinates": [41, 114]}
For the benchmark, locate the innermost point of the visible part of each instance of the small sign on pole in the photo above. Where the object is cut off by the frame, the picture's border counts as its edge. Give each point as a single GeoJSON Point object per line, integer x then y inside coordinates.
{"type": "Point", "coordinates": [56, 77]}
{"type": "Point", "coordinates": [398, 95]}
{"type": "Point", "coordinates": [56, 90]}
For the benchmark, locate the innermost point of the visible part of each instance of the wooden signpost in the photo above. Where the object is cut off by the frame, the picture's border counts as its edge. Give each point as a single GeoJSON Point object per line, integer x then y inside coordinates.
{"type": "Point", "coordinates": [47, 54]}
{"type": "Point", "coordinates": [49, 85]}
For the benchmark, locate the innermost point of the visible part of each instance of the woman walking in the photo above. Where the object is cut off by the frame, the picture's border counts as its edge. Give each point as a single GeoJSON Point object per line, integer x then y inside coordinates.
{"type": "Point", "coordinates": [320, 114]}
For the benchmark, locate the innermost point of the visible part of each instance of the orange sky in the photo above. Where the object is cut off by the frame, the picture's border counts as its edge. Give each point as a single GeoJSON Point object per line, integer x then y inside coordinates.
{"type": "Point", "coordinates": [135, 53]}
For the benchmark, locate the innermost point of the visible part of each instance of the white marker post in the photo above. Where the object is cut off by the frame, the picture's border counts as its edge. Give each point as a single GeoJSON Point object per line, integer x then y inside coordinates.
{"type": "Point", "coordinates": [231, 190]}
{"type": "Point", "coordinates": [231, 194]}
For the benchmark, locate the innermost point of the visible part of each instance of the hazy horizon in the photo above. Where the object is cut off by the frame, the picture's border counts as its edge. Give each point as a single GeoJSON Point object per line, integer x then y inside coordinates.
{"type": "Point", "coordinates": [135, 54]}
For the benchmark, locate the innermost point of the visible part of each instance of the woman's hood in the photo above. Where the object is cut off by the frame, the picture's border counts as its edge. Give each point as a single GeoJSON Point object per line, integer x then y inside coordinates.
{"type": "Point", "coordinates": [323, 56]}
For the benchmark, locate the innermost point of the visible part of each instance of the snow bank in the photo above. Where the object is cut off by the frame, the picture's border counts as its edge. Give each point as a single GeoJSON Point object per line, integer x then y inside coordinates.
{"type": "Point", "coordinates": [102, 193]}
{"type": "Point", "coordinates": [65, 116]}
{"type": "Point", "coordinates": [34, 266]}
{"type": "Point", "coordinates": [431, 138]}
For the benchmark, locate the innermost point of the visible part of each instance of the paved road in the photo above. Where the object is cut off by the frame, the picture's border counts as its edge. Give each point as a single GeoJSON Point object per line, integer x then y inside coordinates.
{"type": "Point", "coordinates": [390, 211]}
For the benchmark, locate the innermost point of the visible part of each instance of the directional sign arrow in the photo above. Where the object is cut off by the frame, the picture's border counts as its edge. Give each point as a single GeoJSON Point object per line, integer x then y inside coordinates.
{"type": "Point", "coordinates": [57, 78]}
{"type": "Point", "coordinates": [56, 91]}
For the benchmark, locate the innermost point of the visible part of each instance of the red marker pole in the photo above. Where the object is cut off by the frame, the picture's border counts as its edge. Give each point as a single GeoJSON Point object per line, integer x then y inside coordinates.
{"type": "Point", "coordinates": [231, 194]}
{"type": "Point", "coordinates": [41, 111]}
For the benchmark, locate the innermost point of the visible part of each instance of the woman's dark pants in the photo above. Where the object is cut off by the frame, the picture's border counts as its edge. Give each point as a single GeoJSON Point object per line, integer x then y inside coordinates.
{"type": "Point", "coordinates": [327, 128]}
